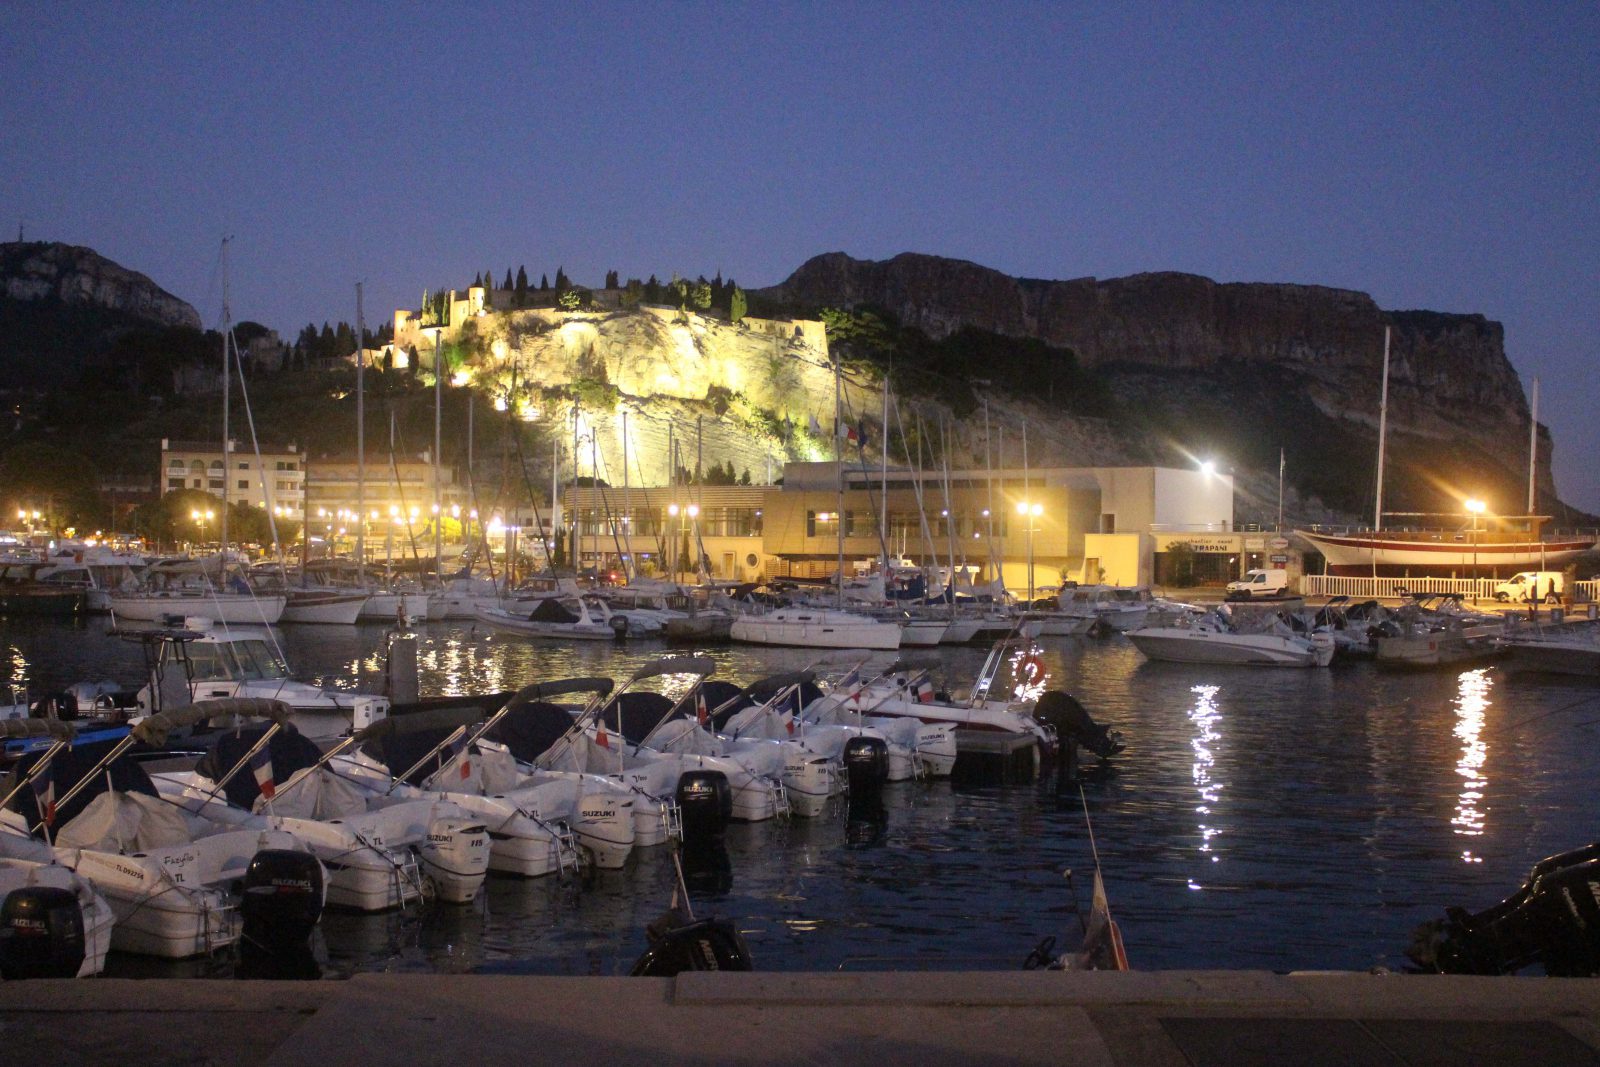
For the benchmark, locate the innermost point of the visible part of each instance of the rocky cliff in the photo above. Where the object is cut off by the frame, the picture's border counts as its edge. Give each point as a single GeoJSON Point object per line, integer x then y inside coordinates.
{"type": "Point", "coordinates": [38, 270]}
{"type": "Point", "coordinates": [1450, 382]}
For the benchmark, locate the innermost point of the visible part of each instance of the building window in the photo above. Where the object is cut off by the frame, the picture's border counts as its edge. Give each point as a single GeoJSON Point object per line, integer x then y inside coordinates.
{"type": "Point", "coordinates": [244, 483]}
{"type": "Point", "coordinates": [244, 464]}
{"type": "Point", "coordinates": [216, 483]}
{"type": "Point", "coordinates": [176, 464]}
{"type": "Point", "coordinates": [174, 483]}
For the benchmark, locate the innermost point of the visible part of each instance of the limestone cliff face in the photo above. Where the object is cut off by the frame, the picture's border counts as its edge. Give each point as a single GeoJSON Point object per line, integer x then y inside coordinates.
{"type": "Point", "coordinates": [74, 275]}
{"type": "Point", "coordinates": [1449, 378]}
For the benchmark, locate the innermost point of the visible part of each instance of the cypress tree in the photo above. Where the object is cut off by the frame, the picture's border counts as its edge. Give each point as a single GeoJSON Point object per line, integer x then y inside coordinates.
{"type": "Point", "coordinates": [544, 282]}
{"type": "Point", "coordinates": [507, 284]}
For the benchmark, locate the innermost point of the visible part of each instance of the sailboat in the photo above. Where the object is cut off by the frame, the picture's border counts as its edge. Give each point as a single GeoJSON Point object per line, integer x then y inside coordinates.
{"type": "Point", "coordinates": [1515, 545]}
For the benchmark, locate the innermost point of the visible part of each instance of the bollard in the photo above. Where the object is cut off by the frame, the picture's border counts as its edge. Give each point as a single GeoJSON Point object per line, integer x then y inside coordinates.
{"type": "Point", "coordinates": [400, 671]}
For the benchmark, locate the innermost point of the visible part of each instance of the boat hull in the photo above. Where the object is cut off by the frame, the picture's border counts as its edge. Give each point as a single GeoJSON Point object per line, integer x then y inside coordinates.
{"type": "Point", "coordinates": [1441, 551]}
{"type": "Point", "coordinates": [815, 629]}
{"type": "Point", "coordinates": [1180, 645]}
{"type": "Point", "coordinates": [235, 608]}
{"type": "Point", "coordinates": [329, 609]}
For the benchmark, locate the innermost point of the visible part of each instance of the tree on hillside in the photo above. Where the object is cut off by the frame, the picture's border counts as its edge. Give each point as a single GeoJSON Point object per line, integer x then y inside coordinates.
{"type": "Point", "coordinates": [652, 290]}
{"type": "Point", "coordinates": [737, 306]}
{"type": "Point", "coordinates": [611, 280]}
{"type": "Point", "coordinates": [563, 283]}
{"type": "Point", "coordinates": [488, 280]}
{"type": "Point", "coordinates": [508, 284]}
{"type": "Point", "coordinates": [544, 283]}
{"type": "Point", "coordinates": [477, 281]}
{"type": "Point", "coordinates": [700, 294]}
{"type": "Point", "coordinates": [521, 296]}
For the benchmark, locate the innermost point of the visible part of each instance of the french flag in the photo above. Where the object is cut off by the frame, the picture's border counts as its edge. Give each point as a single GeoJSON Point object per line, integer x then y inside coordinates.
{"type": "Point", "coordinates": [261, 767]}
{"type": "Point", "coordinates": [850, 684]}
{"type": "Point", "coordinates": [600, 737]}
{"type": "Point", "coordinates": [702, 715]}
{"type": "Point", "coordinates": [457, 749]}
{"type": "Point", "coordinates": [924, 692]}
{"type": "Point", "coordinates": [44, 793]}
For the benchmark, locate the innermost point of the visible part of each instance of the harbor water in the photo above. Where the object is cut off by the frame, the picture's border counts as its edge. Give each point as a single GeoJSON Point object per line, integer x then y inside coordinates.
{"type": "Point", "coordinates": [1273, 819]}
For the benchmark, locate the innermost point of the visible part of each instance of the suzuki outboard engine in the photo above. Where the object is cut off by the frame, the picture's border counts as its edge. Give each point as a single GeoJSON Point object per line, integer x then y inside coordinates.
{"type": "Point", "coordinates": [1072, 723]}
{"type": "Point", "coordinates": [706, 801]}
{"type": "Point", "coordinates": [1553, 920]}
{"type": "Point", "coordinates": [41, 933]}
{"type": "Point", "coordinates": [866, 764]}
{"type": "Point", "coordinates": [678, 945]}
{"type": "Point", "coordinates": [455, 857]}
{"type": "Point", "coordinates": [282, 897]}
{"type": "Point", "coordinates": [619, 627]}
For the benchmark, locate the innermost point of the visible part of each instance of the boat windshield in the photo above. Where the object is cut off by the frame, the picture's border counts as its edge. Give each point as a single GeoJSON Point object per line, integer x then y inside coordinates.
{"type": "Point", "coordinates": [235, 661]}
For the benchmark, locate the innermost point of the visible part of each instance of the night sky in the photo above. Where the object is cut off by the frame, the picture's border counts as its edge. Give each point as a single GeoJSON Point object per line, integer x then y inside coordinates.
{"type": "Point", "coordinates": [1439, 156]}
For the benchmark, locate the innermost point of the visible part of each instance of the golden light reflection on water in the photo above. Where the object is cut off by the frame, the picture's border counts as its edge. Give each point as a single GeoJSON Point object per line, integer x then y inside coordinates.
{"type": "Point", "coordinates": [20, 669]}
{"type": "Point", "coordinates": [1471, 704]}
{"type": "Point", "coordinates": [1206, 719]}
{"type": "Point", "coordinates": [1028, 673]}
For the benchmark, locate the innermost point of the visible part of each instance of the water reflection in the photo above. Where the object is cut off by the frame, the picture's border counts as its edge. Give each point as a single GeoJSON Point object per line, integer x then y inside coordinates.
{"type": "Point", "coordinates": [1471, 703]}
{"type": "Point", "coordinates": [1206, 718]}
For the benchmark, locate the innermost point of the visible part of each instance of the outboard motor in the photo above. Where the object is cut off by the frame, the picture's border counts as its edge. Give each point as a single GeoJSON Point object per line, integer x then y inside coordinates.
{"type": "Point", "coordinates": [1072, 722]}
{"type": "Point", "coordinates": [619, 627]}
{"type": "Point", "coordinates": [866, 764]}
{"type": "Point", "coordinates": [455, 857]}
{"type": "Point", "coordinates": [1553, 920]}
{"type": "Point", "coordinates": [678, 945]}
{"type": "Point", "coordinates": [282, 897]}
{"type": "Point", "coordinates": [41, 933]}
{"type": "Point", "coordinates": [706, 800]}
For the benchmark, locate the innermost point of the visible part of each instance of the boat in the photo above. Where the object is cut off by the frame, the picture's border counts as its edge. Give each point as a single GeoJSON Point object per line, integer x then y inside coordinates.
{"type": "Point", "coordinates": [1433, 630]}
{"type": "Point", "coordinates": [1555, 647]}
{"type": "Point", "coordinates": [1230, 638]}
{"type": "Point", "coordinates": [185, 587]}
{"type": "Point", "coordinates": [327, 607]}
{"type": "Point", "coordinates": [206, 661]}
{"type": "Point", "coordinates": [23, 594]}
{"type": "Point", "coordinates": [173, 880]}
{"type": "Point", "coordinates": [53, 923]}
{"type": "Point", "coordinates": [815, 628]}
{"type": "Point", "coordinates": [558, 618]}
{"type": "Point", "coordinates": [1425, 551]}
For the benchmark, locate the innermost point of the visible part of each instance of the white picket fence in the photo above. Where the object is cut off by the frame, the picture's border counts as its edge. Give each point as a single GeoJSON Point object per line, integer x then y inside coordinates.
{"type": "Point", "coordinates": [1364, 588]}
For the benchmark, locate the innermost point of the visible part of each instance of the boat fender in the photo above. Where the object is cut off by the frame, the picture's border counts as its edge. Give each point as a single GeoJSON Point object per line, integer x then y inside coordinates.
{"type": "Point", "coordinates": [41, 933]}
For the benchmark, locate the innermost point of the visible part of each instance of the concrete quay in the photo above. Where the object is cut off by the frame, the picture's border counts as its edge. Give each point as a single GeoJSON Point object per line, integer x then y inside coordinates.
{"type": "Point", "coordinates": [1160, 1018]}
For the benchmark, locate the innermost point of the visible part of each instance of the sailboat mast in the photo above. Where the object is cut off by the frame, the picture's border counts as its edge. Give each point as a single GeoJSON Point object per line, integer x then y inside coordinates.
{"type": "Point", "coordinates": [227, 389]}
{"type": "Point", "coordinates": [361, 436]}
{"type": "Point", "coordinates": [1533, 448]}
{"type": "Point", "coordinates": [1383, 427]}
{"type": "Point", "coordinates": [838, 462]}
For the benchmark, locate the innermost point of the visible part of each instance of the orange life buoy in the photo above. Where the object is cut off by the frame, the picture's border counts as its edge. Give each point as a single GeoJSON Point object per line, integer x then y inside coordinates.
{"type": "Point", "coordinates": [1031, 668]}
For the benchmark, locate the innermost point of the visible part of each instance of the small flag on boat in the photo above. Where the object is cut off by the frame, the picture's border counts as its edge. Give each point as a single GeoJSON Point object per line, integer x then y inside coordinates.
{"type": "Point", "coordinates": [457, 749]}
{"type": "Point", "coordinates": [924, 692]}
{"type": "Point", "coordinates": [701, 714]}
{"type": "Point", "coordinates": [846, 432]}
{"type": "Point", "coordinates": [44, 793]}
{"type": "Point", "coordinates": [850, 684]}
{"type": "Point", "coordinates": [600, 737]}
{"type": "Point", "coordinates": [261, 768]}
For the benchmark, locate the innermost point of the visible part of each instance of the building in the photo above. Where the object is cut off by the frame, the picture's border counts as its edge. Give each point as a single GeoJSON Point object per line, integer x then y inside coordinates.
{"type": "Point", "coordinates": [396, 495]}
{"type": "Point", "coordinates": [1022, 529]}
{"type": "Point", "coordinates": [274, 478]}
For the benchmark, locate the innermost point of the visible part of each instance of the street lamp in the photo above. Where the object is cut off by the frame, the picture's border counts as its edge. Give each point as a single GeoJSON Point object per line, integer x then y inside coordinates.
{"type": "Point", "coordinates": [200, 519]}
{"type": "Point", "coordinates": [1475, 507]}
{"type": "Point", "coordinates": [1031, 512]}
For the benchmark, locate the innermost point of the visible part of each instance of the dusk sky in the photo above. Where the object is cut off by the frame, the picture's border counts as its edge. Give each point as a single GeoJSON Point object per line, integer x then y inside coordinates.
{"type": "Point", "coordinates": [1439, 156]}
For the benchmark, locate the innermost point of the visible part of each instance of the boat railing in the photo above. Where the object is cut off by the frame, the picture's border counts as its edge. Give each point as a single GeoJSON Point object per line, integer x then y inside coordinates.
{"type": "Point", "coordinates": [1364, 586]}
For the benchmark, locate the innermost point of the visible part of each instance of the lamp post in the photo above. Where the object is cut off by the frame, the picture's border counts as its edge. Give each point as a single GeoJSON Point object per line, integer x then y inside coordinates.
{"type": "Point", "coordinates": [1475, 507]}
{"type": "Point", "coordinates": [200, 519]}
{"type": "Point", "coordinates": [1030, 512]}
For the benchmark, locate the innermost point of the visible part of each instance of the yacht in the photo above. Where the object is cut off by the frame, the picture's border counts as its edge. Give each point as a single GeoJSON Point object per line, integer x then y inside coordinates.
{"type": "Point", "coordinates": [807, 627]}
{"type": "Point", "coordinates": [1222, 637]}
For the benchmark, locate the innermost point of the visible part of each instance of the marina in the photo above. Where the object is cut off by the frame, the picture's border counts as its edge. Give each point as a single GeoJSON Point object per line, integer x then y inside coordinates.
{"type": "Point", "coordinates": [1257, 819]}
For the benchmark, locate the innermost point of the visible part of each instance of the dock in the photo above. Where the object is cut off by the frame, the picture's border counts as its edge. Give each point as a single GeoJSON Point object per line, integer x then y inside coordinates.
{"type": "Point", "coordinates": [1152, 1019]}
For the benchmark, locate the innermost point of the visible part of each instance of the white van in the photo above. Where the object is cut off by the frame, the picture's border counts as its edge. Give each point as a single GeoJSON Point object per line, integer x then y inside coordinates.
{"type": "Point", "coordinates": [1546, 585]}
{"type": "Point", "coordinates": [1259, 583]}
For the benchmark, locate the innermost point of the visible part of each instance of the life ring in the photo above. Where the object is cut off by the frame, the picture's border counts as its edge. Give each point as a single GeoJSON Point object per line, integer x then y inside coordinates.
{"type": "Point", "coordinates": [1031, 669]}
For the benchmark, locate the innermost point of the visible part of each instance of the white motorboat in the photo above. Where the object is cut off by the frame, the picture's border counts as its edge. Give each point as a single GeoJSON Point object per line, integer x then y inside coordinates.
{"type": "Point", "coordinates": [158, 606]}
{"type": "Point", "coordinates": [207, 661]}
{"type": "Point", "coordinates": [1555, 647]}
{"type": "Point", "coordinates": [562, 618]}
{"type": "Point", "coordinates": [1108, 608]}
{"type": "Point", "coordinates": [169, 877]}
{"type": "Point", "coordinates": [1220, 638]}
{"type": "Point", "coordinates": [1434, 630]}
{"type": "Point", "coordinates": [815, 628]}
{"type": "Point", "coordinates": [27, 878]}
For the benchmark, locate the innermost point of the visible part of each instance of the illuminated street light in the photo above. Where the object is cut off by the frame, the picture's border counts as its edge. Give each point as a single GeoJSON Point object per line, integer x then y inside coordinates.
{"type": "Point", "coordinates": [1031, 512]}
{"type": "Point", "coordinates": [1475, 507]}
